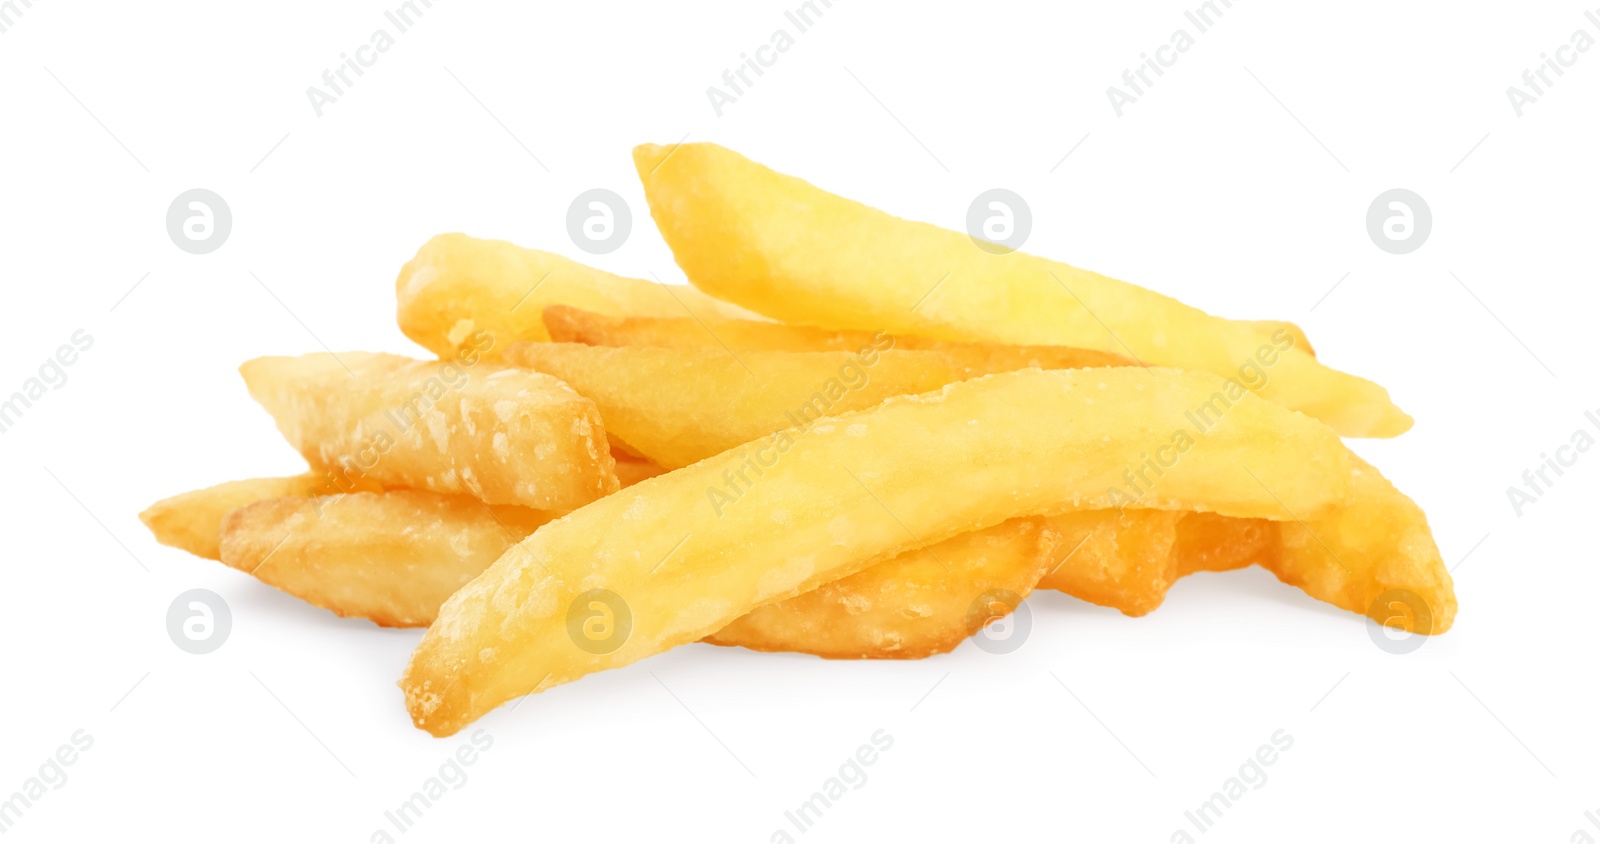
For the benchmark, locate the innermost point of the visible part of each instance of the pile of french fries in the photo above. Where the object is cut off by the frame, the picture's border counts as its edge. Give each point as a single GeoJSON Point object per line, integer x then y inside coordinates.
{"type": "Point", "coordinates": [856, 436]}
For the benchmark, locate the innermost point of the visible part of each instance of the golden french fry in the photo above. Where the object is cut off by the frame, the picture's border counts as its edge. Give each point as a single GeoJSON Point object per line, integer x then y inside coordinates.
{"type": "Point", "coordinates": [502, 434]}
{"type": "Point", "coordinates": [1208, 542]}
{"type": "Point", "coordinates": [192, 521]}
{"type": "Point", "coordinates": [1375, 556]}
{"type": "Point", "coordinates": [664, 562]}
{"type": "Point", "coordinates": [680, 406]}
{"type": "Point", "coordinates": [920, 603]}
{"type": "Point", "coordinates": [574, 325]}
{"type": "Point", "coordinates": [392, 557]}
{"type": "Point", "coordinates": [458, 287]}
{"type": "Point", "coordinates": [788, 250]}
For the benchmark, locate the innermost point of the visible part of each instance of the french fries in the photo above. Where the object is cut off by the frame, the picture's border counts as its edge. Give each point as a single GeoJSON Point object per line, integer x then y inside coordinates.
{"type": "Point", "coordinates": [458, 286]}
{"type": "Point", "coordinates": [501, 434]}
{"type": "Point", "coordinates": [392, 557]}
{"type": "Point", "coordinates": [918, 604]}
{"type": "Point", "coordinates": [788, 250]}
{"type": "Point", "coordinates": [679, 564]}
{"type": "Point", "coordinates": [601, 468]}
{"type": "Point", "coordinates": [680, 406]}
{"type": "Point", "coordinates": [573, 325]}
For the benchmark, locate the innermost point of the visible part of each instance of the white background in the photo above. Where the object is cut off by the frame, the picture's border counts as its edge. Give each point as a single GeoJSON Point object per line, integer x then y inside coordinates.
{"type": "Point", "coordinates": [489, 118]}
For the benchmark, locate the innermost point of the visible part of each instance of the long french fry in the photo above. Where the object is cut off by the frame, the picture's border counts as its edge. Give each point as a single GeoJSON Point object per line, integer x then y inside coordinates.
{"type": "Point", "coordinates": [458, 286]}
{"type": "Point", "coordinates": [502, 434]}
{"type": "Point", "coordinates": [660, 564]}
{"type": "Point", "coordinates": [575, 325]}
{"type": "Point", "coordinates": [786, 249]}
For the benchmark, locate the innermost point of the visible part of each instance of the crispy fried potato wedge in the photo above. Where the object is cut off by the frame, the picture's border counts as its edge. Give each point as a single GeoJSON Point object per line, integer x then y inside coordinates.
{"type": "Point", "coordinates": [392, 557]}
{"type": "Point", "coordinates": [1377, 546]}
{"type": "Point", "coordinates": [502, 434]}
{"type": "Point", "coordinates": [922, 602]}
{"type": "Point", "coordinates": [680, 406]}
{"type": "Point", "coordinates": [665, 562]}
{"type": "Point", "coordinates": [192, 521]}
{"type": "Point", "coordinates": [574, 325]}
{"type": "Point", "coordinates": [458, 287]}
{"type": "Point", "coordinates": [788, 250]}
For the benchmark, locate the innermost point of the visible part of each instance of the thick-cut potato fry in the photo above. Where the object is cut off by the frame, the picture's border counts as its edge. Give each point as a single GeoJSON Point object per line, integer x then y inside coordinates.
{"type": "Point", "coordinates": [918, 604]}
{"type": "Point", "coordinates": [1377, 543]}
{"type": "Point", "coordinates": [502, 434]}
{"type": "Point", "coordinates": [788, 250]}
{"type": "Point", "coordinates": [392, 557]}
{"type": "Point", "coordinates": [661, 563]}
{"type": "Point", "coordinates": [680, 406]}
{"type": "Point", "coordinates": [192, 521]}
{"type": "Point", "coordinates": [458, 286]}
{"type": "Point", "coordinates": [574, 325]}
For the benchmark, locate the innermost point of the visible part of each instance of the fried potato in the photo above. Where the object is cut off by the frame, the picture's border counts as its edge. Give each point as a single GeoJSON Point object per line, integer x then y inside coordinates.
{"type": "Point", "coordinates": [1270, 327]}
{"type": "Point", "coordinates": [1376, 544]}
{"type": "Point", "coordinates": [1120, 559]}
{"type": "Point", "coordinates": [915, 605]}
{"type": "Point", "coordinates": [499, 433]}
{"type": "Point", "coordinates": [788, 250]}
{"type": "Point", "coordinates": [665, 562]}
{"type": "Point", "coordinates": [574, 325]}
{"type": "Point", "coordinates": [192, 521]}
{"type": "Point", "coordinates": [392, 557]}
{"type": "Point", "coordinates": [458, 286]}
{"type": "Point", "coordinates": [680, 406]}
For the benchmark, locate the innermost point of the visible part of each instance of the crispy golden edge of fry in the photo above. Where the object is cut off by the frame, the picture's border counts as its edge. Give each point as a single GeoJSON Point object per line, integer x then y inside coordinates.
{"type": "Point", "coordinates": [1375, 556]}
{"type": "Point", "coordinates": [1118, 558]}
{"type": "Point", "coordinates": [457, 287]}
{"type": "Point", "coordinates": [859, 487]}
{"type": "Point", "coordinates": [791, 251]}
{"type": "Point", "coordinates": [922, 602]}
{"type": "Point", "coordinates": [500, 433]}
{"type": "Point", "coordinates": [192, 521]}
